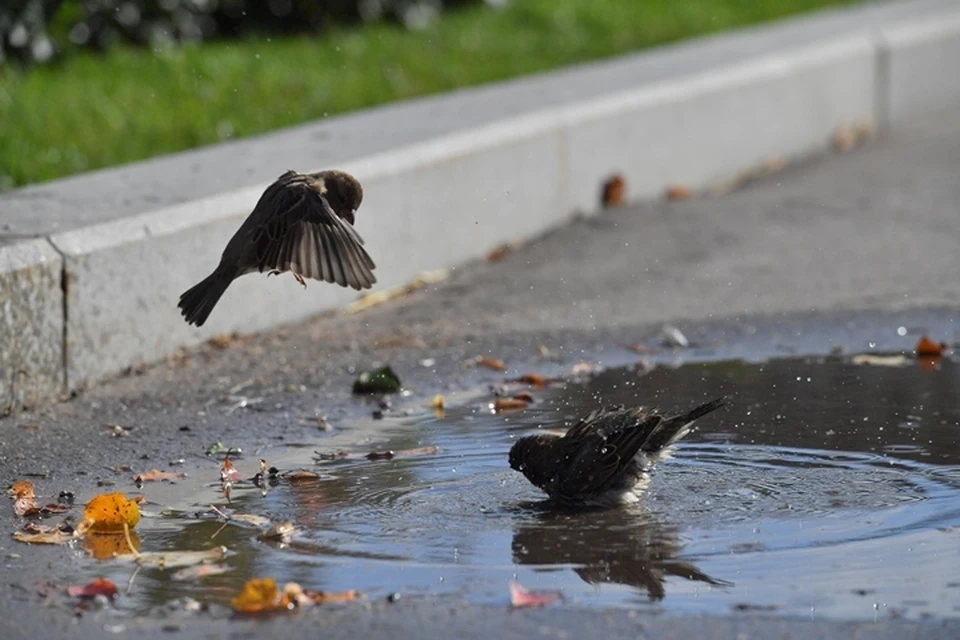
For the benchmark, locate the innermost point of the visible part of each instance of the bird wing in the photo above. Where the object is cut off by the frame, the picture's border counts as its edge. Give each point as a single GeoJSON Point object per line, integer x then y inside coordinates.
{"type": "Point", "coordinates": [597, 456]}
{"type": "Point", "coordinates": [298, 231]}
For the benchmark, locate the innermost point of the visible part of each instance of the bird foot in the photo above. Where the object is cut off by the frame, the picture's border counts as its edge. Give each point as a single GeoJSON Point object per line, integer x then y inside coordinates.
{"type": "Point", "coordinates": [300, 280]}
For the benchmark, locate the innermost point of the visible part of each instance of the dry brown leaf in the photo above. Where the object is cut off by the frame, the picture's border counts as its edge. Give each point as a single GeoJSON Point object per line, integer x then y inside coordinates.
{"type": "Point", "coordinates": [526, 396]}
{"type": "Point", "coordinates": [499, 253]}
{"type": "Point", "coordinates": [614, 191]}
{"type": "Point", "coordinates": [301, 475]}
{"type": "Point", "coordinates": [97, 587]}
{"type": "Point", "coordinates": [222, 341]}
{"type": "Point", "coordinates": [38, 534]}
{"type": "Point", "coordinates": [490, 363]}
{"type": "Point", "coordinates": [677, 192]}
{"type": "Point", "coordinates": [927, 347]}
{"type": "Point", "coordinates": [437, 402]}
{"type": "Point", "coordinates": [534, 380]}
{"type": "Point", "coordinates": [521, 597]}
{"type": "Point", "coordinates": [509, 404]}
{"type": "Point", "coordinates": [155, 475]}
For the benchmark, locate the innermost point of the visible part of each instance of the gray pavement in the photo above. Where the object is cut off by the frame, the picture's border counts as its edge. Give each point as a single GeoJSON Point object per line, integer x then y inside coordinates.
{"type": "Point", "coordinates": [837, 251]}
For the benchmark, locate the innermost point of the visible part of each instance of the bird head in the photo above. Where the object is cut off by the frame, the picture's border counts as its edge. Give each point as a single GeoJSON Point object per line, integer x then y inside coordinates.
{"type": "Point", "coordinates": [343, 192]}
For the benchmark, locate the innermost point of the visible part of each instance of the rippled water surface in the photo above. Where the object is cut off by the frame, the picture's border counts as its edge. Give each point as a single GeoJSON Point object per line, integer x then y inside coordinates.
{"type": "Point", "coordinates": [827, 489]}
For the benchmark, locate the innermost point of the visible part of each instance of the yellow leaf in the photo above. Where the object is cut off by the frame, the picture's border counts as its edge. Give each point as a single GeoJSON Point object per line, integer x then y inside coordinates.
{"type": "Point", "coordinates": [109, 512]}
{"type": "Point", "coordinates": [260, 595]}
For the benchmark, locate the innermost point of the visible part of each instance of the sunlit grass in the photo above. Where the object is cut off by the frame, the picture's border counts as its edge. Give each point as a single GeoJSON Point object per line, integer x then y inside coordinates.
{"type": "Point", "coordinates": [96, 111]}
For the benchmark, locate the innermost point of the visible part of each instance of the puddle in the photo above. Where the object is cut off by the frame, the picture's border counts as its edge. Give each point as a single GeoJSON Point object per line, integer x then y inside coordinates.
{"type": "Point", "coordinates": [828, 489]}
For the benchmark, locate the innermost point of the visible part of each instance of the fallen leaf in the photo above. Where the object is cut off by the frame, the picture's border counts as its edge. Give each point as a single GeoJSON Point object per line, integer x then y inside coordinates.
{"type": "Point", "coordinates": [221, 341]}
{"type": "Point", "coordinates": [200, 571]}
{"type": "Point", "coordinates": [533, 379]}
{"type": "Point", "coordinates": [389, 455]}
{"type": "Point", "coordinates": [499, 253]}
{"type": "Point", "coordinates": [36, 534]}
{"type": "Point", "coordinates": [490, 363]}
{"type": "Point", "coordinates": [614, 190]}
{"type": "Point", "coordinates": [319, 597]}
{"type": "Point", "coordinates": [97, 587]}
{"type": "Point", "coordinates": [927, 347]}
{"type": "Point", "coordinates": [171, 559]}
{"type": "Point", "coordinates": [280, 531]}
{"type": "Point", "coordinates": [928, 363]}
{"type": "Point", "coordinates": [509, 404]}
{"type": "Point", "coordinates": [155, 475]}
{"type": "Point", "coordinates": [379, 297]}
{"type": "Point", "coordinates": [677, 192]}
{"type": "Point", "coordinates": [526, 396]}
{"type": "Point", "coordinates": [228, 472]}
{"type": "Point", "coordinates": [437, 402]}
{"type": "Point", "coordinates": [301, 475]}
{"type": "Point", "coordinates": [260, 595]}
{"type": "Point", "coordinates": [109, 513]}
{"type": "Point", "coordinates": [21, 489]}
{"type": "Point", "coordinates": [880, 361]}
{"type": "Point", "coordinates": [249, 518]}
{"type": "Point", "coordinates": [521, 597]}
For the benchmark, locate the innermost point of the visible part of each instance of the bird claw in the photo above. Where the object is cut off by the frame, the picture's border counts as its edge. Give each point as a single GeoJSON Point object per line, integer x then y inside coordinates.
{"type": "Point", "coordinates": [300, 280]}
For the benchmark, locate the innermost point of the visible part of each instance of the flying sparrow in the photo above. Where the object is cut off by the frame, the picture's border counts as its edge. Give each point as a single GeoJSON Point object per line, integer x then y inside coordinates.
{"type": "Point", "coordinates": [303, 223]}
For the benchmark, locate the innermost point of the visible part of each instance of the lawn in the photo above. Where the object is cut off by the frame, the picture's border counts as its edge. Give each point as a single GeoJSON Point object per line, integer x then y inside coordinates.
{"type": "Point", "coordinates": [93, 111]}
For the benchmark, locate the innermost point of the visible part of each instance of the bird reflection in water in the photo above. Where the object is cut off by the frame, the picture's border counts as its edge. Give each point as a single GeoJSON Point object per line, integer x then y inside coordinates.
{"type": "Point", "coordinates": [627, 547]}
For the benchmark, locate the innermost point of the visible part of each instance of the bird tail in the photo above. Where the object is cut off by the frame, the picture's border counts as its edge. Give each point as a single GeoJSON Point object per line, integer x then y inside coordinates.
{"type": "Point", "coordinates": [672, 429]}
{"type": "Point", "coordinates": [197, 302]}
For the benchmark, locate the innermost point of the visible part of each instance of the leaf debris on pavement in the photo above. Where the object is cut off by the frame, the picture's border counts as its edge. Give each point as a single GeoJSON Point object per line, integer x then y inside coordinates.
{"type": "Point", "coordinates": [521, 597]}
{"type": "Point", "coordinates": [262, 596]}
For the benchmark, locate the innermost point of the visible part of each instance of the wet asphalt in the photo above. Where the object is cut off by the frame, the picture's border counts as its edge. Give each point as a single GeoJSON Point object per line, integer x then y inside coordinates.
{"type": "Point", "coordinates": [834, 253]}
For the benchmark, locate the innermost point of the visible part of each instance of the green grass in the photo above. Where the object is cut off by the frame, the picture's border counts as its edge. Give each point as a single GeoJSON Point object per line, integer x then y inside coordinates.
{"type": "Point", "coordinates": [96, 111]}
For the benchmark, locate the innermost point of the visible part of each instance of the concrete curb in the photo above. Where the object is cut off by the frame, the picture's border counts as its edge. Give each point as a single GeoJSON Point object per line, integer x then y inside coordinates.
{"type": "Point", "coordinates": [438, 195]}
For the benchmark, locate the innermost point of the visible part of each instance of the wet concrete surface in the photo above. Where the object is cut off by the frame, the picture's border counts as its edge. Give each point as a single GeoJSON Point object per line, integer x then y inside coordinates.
{"type": "Point", "coordinates": [739, 275]}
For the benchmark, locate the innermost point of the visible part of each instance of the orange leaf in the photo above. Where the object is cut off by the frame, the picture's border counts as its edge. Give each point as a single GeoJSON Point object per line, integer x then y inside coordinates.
{"type": "Point", "coordinates": [437, 402]}
{"type": "Point", "coordinates": [319, 597]}
{"type": "Point", "coordinates": [927, 347]}
{"type": "Point", "coordinates": [155, 475]}
{"type": "Point", "coordinates": [678, 192]}
{"type": "Point", "coordinates": [109, 512]}
{"type": "Point", "coordinates": [260, 595]}
{"type": "Point", "coordinates": [22, 489]}
{"type": "Point", "coordinates": [491, 363]}
{"type": "Point", "coordinates": [98, 587]}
